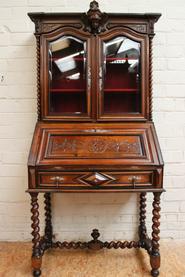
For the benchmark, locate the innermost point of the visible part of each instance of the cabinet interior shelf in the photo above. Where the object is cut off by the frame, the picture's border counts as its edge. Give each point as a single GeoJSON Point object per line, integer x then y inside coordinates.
{"type": "Point", "coordinates": [76, 59]}
{"type": "Point", "coordinates": [83, 90]}
{"type": "Point", "coordinates": [121, 89]}
{"type": "Point", "coordinates": [107, 59]}
{"type": "Point", "coordinates": [121, 59]}
{"type": "Point", "coordinates": [67, 90]}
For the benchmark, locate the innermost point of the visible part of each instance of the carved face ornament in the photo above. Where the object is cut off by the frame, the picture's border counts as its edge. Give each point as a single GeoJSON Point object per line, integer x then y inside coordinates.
{"type": "Point", "coordinates": [95, 19]}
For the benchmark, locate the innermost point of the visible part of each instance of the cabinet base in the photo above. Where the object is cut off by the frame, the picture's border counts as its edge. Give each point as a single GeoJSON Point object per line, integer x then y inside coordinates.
{"type": "Point", "coordinates": [41, 244]}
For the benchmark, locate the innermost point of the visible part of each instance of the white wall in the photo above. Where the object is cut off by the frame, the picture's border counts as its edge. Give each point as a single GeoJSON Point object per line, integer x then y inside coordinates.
{"type": "Point", "coordinates": [77, 214]}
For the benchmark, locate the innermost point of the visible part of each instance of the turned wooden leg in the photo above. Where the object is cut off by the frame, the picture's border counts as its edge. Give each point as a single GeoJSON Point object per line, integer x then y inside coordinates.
{"type": "Point", "coordinates": [48, 223]}
{"type": "Point", "coordinates": [36, 251]}
{"type": "Point", "coordinates": [143, 237]}
{"type": "Point", "coordinates": [142, 218]}
{"type": "Point", "coordinates": [155, 254]}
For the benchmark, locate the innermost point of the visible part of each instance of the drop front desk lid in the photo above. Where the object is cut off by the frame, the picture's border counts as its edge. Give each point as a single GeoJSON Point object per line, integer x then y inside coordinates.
{"type": "Point", "coordinates": [82, 145]}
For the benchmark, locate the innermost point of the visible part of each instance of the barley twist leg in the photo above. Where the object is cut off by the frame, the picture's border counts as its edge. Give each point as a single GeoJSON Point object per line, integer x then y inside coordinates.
{"type": "Point", "coordinates": [36, 251]}
{"type": "Point", "coordinates": [155, 254]}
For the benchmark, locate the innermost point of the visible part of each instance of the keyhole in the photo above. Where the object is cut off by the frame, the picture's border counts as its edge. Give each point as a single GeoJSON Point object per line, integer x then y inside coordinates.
{"type": "Point", "coordinates": [2, 78]}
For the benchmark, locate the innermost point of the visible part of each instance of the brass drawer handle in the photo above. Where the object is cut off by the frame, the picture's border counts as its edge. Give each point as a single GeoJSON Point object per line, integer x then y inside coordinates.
{"type": "Point", "coordinates": [57, 179]}
{"type": "Point", "coordinates": [134, 179]}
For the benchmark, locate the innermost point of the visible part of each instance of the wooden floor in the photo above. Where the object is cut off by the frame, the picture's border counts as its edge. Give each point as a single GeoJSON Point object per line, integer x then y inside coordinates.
{"type": "Point", "coordinates": [15, 262]}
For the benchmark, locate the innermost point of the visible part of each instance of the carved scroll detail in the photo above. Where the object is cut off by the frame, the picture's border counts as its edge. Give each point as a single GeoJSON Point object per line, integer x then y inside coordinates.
{"type": "Point", "coordinates": [41, 27]}
{"type": "Point", "coordinates": [140, 28]}
{"type": "Point", "coordinates": [49, 27]}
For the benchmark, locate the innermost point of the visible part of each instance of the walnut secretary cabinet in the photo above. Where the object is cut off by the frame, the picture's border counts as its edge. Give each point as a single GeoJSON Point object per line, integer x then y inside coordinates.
{"type": "Point", "coordinates": [94, 131]}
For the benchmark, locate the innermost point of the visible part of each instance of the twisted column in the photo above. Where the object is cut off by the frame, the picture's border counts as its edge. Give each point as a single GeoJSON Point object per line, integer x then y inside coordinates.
{"type": "Point", "coordinates": [96, 245]}
{"type": "Point", "coordinates": [122, 245]}
{"type": "Point", "coordinates": [142, 218]}
{"type": "Point", "coordinates": [155, 254]}
{"type": "Point", "coordinates": [150, 76]}
{"type": "Point", "coordinates": [38, 77]}
{"type": "Point", "coordinates": [48, 223]}
{"type": "Point", "coordinates": [36, 251]}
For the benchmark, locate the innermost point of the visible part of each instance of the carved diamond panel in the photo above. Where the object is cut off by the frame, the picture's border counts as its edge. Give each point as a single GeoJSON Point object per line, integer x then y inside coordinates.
{"type": "Point", "coordinates": [96, 179]}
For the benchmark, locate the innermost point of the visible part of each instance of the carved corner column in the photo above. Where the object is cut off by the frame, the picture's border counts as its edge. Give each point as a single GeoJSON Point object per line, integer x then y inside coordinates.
{"type": "Point", "coordinates": [155, 254]}
{"type": "Point", "coordinates": [48, 223]}
{"type": "Point", "coordinates": [38, 77]}
{"type": "Point", "coordinates": [36, 251]}
{"type": "Point", "coordinates": [151, 77]}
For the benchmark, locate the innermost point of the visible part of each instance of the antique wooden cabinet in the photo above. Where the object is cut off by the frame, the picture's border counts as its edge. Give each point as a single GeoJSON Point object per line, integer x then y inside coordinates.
{"type": "Point", "coordinates": [94, 131]}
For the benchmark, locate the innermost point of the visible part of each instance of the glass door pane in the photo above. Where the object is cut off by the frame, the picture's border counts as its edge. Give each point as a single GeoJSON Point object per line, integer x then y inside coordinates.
{"type": "Point", "coordinates": [67, 77]}
{"type": "Point", "coordinates": [121, 93]}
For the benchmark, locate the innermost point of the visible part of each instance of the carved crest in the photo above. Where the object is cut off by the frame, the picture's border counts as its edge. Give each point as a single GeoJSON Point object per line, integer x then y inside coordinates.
{"type": "Point", "coordinates": [94, 19]}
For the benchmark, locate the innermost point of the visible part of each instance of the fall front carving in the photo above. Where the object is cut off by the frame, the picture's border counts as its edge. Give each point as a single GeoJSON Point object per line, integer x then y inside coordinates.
{"type": "Point", "coordinates": [95, 145]}
{"type": "Point", "coordinates": [95, 131]}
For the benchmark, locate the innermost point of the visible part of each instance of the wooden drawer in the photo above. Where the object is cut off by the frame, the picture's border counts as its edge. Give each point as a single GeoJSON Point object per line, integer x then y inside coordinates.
{"type": "Point", "coordinates": [95, 180]}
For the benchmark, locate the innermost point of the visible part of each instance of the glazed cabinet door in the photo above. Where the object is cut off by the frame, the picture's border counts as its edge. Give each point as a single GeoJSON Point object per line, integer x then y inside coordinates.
{"type": "Point", "coordinates": [123, 74]}
{"type": "Point", "coordinates": [66, 75]}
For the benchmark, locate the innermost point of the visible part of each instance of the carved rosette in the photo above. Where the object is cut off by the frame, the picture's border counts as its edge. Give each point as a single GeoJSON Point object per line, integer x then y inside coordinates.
{"type": "Point", "coordinates": [97, 146]}
{"type": "Point", "coordinates": [94, 20]}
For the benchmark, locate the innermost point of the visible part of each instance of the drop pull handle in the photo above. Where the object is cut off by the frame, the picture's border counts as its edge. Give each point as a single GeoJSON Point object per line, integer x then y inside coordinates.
{"type": "Point", "coordinates": [57, 179]}
{"type": "Point", "coordinates": [134, 179]}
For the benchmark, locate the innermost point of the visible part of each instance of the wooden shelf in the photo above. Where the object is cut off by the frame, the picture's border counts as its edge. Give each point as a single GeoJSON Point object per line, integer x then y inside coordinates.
{"type": "Point", "coordinates": [122, 59]}
{"type": "Point", "coordinates": [120, 90]}
{"type": "Point", "coordinates": [76, 59]}
{"type": "Point", "coordinates": [67, 90]}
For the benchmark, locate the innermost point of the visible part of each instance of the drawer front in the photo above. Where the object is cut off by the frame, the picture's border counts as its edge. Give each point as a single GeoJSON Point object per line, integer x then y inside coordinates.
{"type": "Point", "coordinates": [95, 180]}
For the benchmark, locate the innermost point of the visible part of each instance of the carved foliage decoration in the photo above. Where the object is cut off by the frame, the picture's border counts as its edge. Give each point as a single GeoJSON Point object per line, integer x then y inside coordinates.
{"type": "Point", "coordinates": [97, 146]}
{"type": "Point", "coordinates": [140, 28]}
{"type": "Point", "coordinates": [41, 27]}
{"type": "Point", "coordinates": [68, 146]}
{"type": "Point", "coordinates": [94, 20]}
